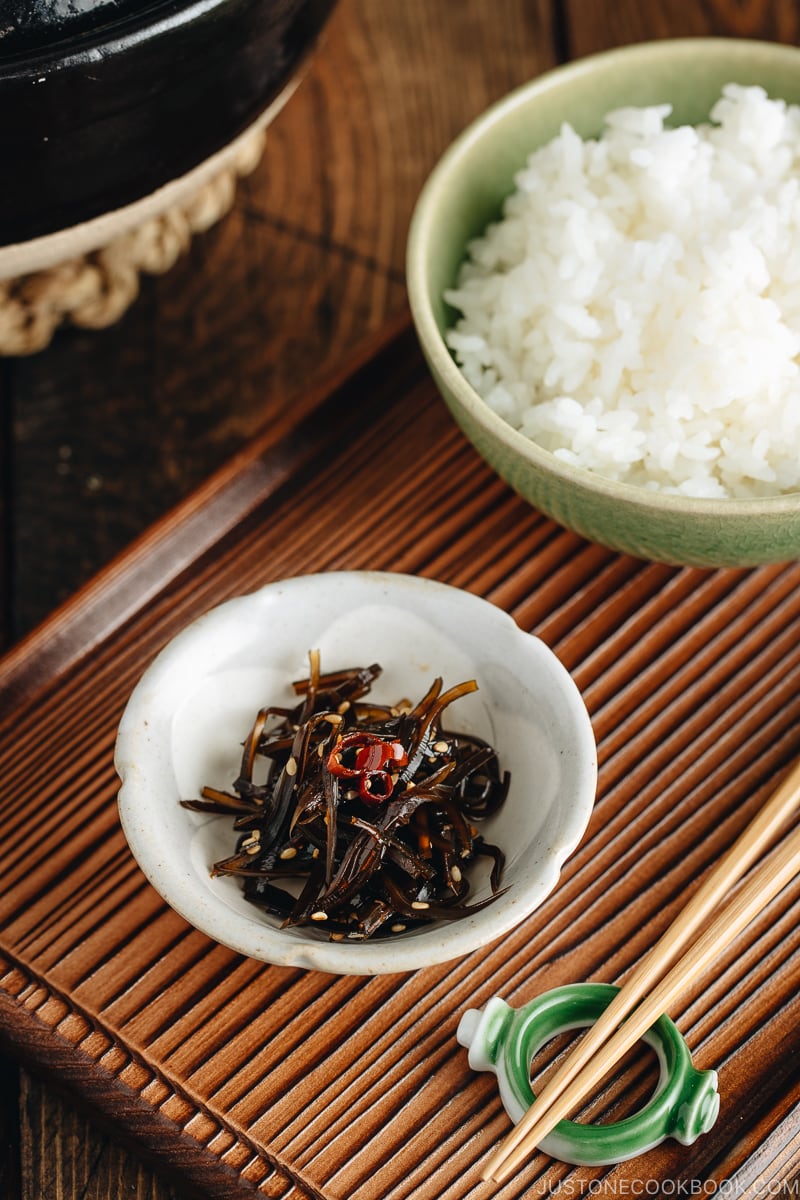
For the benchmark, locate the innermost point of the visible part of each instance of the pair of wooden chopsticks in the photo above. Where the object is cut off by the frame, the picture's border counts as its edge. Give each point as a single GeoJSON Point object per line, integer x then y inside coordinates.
{"type": "Point", "coordinates": [607, 1040]}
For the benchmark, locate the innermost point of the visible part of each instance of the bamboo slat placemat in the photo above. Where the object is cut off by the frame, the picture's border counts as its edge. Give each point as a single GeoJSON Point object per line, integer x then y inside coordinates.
{"type": "Point", "coordinates": [251, 1080]}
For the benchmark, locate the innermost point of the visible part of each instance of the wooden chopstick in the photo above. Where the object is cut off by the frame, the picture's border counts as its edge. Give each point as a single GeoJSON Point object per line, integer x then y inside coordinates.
{"type": "Point", "coordinates": [551, 1105]}
{"type": "Point", "coordinates": [763, 885]}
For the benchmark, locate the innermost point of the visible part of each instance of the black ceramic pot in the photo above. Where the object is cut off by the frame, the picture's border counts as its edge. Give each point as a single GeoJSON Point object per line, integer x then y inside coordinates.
{"type": "Point", "coordinates": [104, 101]}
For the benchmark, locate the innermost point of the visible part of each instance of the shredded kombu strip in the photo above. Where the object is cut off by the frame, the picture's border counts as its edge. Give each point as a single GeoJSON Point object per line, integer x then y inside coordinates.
{"type": "Point", "coordinates": [369, 810]}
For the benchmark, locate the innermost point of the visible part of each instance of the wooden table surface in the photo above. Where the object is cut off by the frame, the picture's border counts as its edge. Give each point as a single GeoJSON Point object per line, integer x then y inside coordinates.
{"type": "Point", "coordinates": [102, 433]}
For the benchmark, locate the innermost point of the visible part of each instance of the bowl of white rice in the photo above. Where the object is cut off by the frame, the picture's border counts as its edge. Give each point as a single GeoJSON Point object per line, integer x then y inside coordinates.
{"type": "Point", "coordinates": [604, 275]}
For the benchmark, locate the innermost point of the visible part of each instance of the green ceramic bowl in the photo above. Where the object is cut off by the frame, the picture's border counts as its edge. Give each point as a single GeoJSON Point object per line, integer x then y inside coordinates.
{"type": "Point", "coordinates": [466, 190]}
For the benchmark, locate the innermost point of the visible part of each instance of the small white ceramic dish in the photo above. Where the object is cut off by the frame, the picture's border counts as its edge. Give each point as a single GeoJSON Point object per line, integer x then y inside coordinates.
{"type": "Point", "coordinates": [186, 719]}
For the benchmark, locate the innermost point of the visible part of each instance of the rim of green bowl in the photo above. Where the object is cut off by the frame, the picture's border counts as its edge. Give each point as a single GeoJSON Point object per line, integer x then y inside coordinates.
{"type": "Point", "coordinates": [433, 344]}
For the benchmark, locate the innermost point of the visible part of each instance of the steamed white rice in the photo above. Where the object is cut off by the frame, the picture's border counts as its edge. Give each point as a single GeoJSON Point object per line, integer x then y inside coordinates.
{"type": "Point", "coordinates": [637, 308]}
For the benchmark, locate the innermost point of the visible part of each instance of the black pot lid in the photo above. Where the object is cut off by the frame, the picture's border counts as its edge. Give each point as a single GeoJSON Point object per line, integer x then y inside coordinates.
{"type": "Point", "coordinates": [104, 101]}
{"type": "Point", "coordinates": [33, 26]}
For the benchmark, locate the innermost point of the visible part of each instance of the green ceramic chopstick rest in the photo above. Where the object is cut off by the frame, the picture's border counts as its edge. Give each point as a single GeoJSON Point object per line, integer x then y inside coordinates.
{"type": "Point", "coordinates": [504, 1040]}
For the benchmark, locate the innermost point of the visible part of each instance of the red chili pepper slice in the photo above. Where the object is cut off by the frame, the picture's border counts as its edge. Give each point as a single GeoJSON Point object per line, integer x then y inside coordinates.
{"type": "Point", "coordinates": [364, 756]}
{"type": "Point", "coordinates": [375, 787]}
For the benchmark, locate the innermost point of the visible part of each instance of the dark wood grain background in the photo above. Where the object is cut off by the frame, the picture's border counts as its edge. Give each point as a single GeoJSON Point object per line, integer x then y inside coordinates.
{"type": "Point", "coordinates": [102, 433]}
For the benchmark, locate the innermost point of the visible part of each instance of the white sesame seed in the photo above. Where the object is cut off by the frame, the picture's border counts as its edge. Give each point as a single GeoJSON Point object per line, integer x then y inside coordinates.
{"type": "Point", "coordinates": [420, 904]}
{"type": "Point", "coordinates": [288, 852]}
{"type": "Point", "coordinates": [291, 766]}
{"type": "Point", "coordinates": [343, 707]}
{"type": "Point", "coordinates": [398, 928]}
{"type": "Point", "coordinates": [441, 747]}
{"type": "Point", "coordinates": [455, 873]}
{"type": "Point", "coordinates": [319, 915]}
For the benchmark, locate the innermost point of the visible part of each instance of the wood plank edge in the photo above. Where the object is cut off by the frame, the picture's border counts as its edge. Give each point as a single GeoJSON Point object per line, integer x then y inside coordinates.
{"type": "Point", "coordinates": [123, 1112]}
{"type": "Point", "coordinates": [164, 550]}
